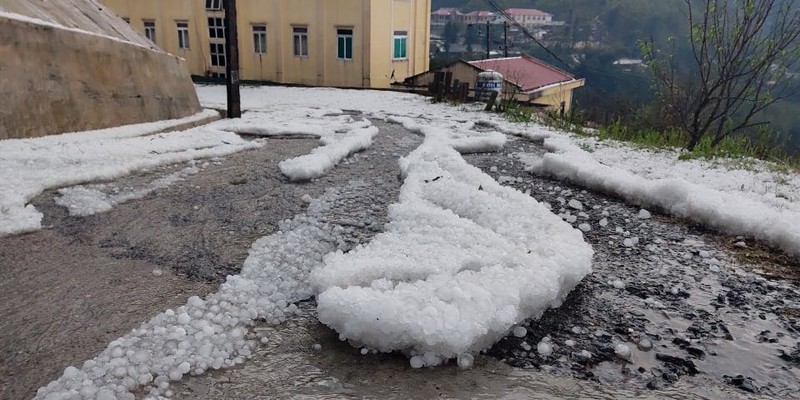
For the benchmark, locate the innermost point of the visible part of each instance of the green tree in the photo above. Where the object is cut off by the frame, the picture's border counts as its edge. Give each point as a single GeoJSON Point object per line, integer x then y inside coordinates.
{"type": "Point", "coordinates": [741, 52]}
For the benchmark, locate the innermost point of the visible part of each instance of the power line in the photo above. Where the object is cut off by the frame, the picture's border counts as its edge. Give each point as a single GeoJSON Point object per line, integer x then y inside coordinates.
{"type": "Point", "coordinates": [525, 31]}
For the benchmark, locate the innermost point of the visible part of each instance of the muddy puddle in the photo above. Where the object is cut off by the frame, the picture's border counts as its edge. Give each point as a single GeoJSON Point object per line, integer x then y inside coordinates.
{"type": "Point", "coordinates": [289, 367]}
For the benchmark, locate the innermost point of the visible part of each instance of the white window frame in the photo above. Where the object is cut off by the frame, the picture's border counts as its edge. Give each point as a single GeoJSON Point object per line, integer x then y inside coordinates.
{"type": "Point", "coordinates": [213, 4]}
{"type": "Point", "coordinates": [344, 33]}
{"type": "Point", "coordinates": [216, 28]}
{"type": "Point", "coordinates": [183, 34]}
{"type": "Point", "coordinates": [150, 30]}
{"type": "Point", "coordinates": [218, 50]}
{"type": "Point", "coordinates": [300, 41]}
{"type": "Point", "coordinates": [403, 36]}
{"type": "Point", "coordinates": [259, 38]}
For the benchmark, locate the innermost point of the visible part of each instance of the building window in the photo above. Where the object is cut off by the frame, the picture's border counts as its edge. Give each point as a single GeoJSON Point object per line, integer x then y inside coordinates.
{"type": "Point", "coordinates": [400, 45]}
{"type": "Point", "coordinates": [260, 39]}
{"type": "Point", "coordinates": [150, 30]}
{"type": "Point", "coordinates": [213, 4]}
{"type": "Point", "coordinates": [300, 41]}
{"type": "Point", "coordinates": [183, 35]}
{"type": "Point", "coordinates": [344, 44]}
{"type": "Point", "coordinates": [216, 28]}
{"type": "Point", "coordinates": [217, 55]}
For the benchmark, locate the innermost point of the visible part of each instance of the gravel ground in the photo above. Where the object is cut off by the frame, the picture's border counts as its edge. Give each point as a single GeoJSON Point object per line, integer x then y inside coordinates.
{"type": "Point", "coordinates": [666, 299]}
{"type": "Point", "coordinates": [668, 311]}
{"type": "Point", "coordinates": [104, 274]}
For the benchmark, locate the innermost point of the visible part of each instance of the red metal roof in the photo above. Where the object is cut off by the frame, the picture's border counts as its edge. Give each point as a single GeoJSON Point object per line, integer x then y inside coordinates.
{"type": "Point", "coordinates": [526, 71]}
{"type": "Point", "coordinates": [525, 11]}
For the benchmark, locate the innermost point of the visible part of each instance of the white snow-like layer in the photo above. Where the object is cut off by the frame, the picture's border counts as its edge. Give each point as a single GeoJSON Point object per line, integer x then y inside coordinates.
{"type": "Point", "coordinates": [462, 261]}
{"type": "Point", "coordinates": [89, 200]}
{"type": "Point", "coordinates": [340, 135]}
{"type": "Point", "coordinates": [749, 178]}
{"type": "Point", "coordinates": [209, 333]}
{"type": "Point", "coordinates": [30, 166]}
{"type": "Point", "coordinates": [725, 211]}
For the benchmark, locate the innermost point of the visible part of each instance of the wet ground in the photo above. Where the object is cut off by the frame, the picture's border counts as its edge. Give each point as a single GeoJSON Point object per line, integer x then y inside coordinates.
{"type": "Point", "coordinates": [668, 312]}
{"type": "Point", "coordinates": [665, 301]}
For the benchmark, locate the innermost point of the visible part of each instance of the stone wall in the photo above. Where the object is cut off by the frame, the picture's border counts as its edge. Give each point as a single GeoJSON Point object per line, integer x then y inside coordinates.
{"type": "Point", "coordinates": [55, 80]}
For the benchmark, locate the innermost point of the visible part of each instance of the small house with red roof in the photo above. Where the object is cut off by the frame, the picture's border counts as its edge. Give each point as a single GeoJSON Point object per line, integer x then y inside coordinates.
{"type": "Point", "coordinates": [527, 80]}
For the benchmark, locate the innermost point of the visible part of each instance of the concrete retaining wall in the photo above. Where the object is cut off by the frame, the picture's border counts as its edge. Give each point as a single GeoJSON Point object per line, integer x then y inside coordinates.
{"type": "Point", "coordinates": [54, 80]}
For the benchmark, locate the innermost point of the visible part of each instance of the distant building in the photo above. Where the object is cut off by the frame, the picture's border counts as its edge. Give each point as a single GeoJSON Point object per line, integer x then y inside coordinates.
{"type": "Point", "coordinates": [527, 80]}
{"type": "Point", "coordinates": [530, 18]}
{"type": "Point", "coordinates": [478, 17]}
{"type": "Point", "coordinates": [442, 16]}
{"type": "Point", "coordinates": [350, 43]}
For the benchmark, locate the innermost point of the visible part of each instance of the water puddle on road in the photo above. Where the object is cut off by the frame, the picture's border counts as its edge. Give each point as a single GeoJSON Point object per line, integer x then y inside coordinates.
{"type": "Point", "coordinates": [288, 366]}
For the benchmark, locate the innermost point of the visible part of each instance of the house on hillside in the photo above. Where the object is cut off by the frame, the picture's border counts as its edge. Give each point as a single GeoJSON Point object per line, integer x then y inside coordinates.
{"type": "Point", "coordinates": [478, 17]}
{"type": "Point", "coordinates": [442, 16]}
{"type": "Point", "coordinates": [530, 18]}
{"type": "Point", "coordinates": [527, 79]}
{"type": "Point", "coordinates": [348, 43]}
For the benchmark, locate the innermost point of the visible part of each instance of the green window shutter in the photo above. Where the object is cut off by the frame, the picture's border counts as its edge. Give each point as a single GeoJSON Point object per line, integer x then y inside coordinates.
{"type": "Point", "coordinates": [403, 53]}
{"type": "Point", "coordinates": [349, 47]}
{"type": "Point", "coordinates": [340, 51]}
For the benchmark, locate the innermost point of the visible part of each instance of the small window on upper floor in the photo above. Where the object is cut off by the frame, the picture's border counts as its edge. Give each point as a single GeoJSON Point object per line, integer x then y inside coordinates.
{"type": "Point", "coordinates": [213, 4]}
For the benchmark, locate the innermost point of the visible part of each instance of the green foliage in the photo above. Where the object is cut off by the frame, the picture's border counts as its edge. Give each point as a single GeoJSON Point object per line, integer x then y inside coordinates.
{"type": "Point", "coordinates": [515, 112]}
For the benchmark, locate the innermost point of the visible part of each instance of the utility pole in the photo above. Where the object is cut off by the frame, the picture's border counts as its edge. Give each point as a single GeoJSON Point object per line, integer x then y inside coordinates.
{"type": "Point", "coordinates": [232, 64]}
{"type": "Point", "coordinates": [505, 39]}
{"type": "Point", "coordinates": [488, 34]}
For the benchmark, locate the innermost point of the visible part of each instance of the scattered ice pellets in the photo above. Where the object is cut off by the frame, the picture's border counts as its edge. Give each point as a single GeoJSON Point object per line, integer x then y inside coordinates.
{"type": "Point", "coordinates": [264, 340]}
{"type": "Point", "coordinates": [492, 169]}
{"type": "Point", "coordinates": [520, 331]}
{"type": "Point", "coordinates": [364, 351]}
{"type": "Point", "coordinates": [585, 355]}
{"type": "Point", "coordinates": [628, 242]}
{"type": "Point", "coordinates": [575, 204]}
{"type": "Point", "coordinates": [585, 227]}
{"type": "Point", "coordinates": [577, 330]}
{"type": "Point", "coordinates": [742, 245]}
{"type": "Point", "coordinates": [465, 360]}
{"type": "Point", "coordinates": [571, 219]}
{"type": "Point", "coordinates": [619, 230]}
{"type": "Point", "coordinates": [622, 351]}
{"type": "Point", "coordinates": [569, 343]}
{"type": "Point", "coordinates": [644, 214]}
{"type": "Point", "coordinates": [714, 268]}
{"type": "Point", "coordinates": [704, 254]}
{"type": "Point", "coordinates": [544, 349]}
{"type": "Point", "coordinates": [158, 271]}
{"type": "Point", "coordinates": [525, 346]}
{"type": "Point", "coordinates": [417, 362]}
{"type": "Point", "coordinates": [645, 344]}
{"type": "Point", "coordinates": [604, 222]}
{"type": "Point", "coordinates": [317, 347]}
{"type": "Point", "coordinates": [618, 284]}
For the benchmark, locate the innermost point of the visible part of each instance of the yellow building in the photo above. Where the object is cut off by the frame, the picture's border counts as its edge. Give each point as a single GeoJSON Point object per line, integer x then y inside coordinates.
{"type": "Point", "coordinates": [349, 43]}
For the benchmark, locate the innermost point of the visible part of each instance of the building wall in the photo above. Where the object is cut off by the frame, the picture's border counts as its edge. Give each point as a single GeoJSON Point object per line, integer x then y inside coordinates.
{"type": "Point", "coordinates": [65, 80]}
{"type": "Point", "coordinates": [372, 21]}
